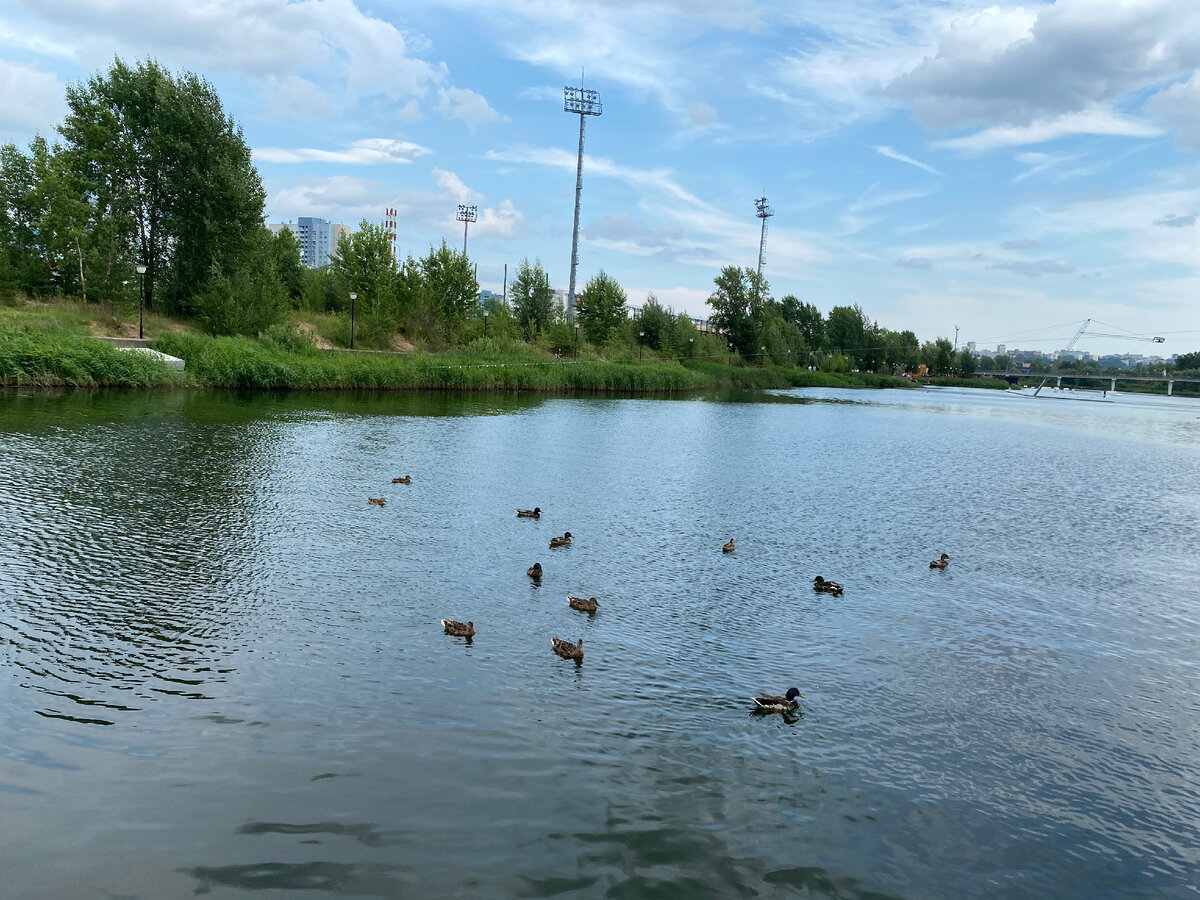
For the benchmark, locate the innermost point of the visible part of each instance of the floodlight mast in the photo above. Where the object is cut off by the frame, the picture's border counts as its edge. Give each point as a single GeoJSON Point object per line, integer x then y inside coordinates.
{"type": "Point", "coordinates": [584, 103]}
{"type": "Point", "coordinates": [764, 212]}
{"type": "Point", "coordinates": [466, 215]}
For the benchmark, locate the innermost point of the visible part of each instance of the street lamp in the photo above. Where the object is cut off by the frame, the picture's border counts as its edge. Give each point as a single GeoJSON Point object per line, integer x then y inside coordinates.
{"type": "Point", "coordinates": [763, 355]}
{"type": "Point", "coordinates": [730, 354]}
{"type": "Point", "coordinates": [690, 346]}
{"type": "Point", "coordinates": [577, 340]}
{"type": "Point", "coordinates": [141, 270]}
{"type": "Point", "coordinates": [641, 334]}
{"type": "Point", "coordinates": [353, 297]}
{"type": "Point", "coordinates": [485, 323]}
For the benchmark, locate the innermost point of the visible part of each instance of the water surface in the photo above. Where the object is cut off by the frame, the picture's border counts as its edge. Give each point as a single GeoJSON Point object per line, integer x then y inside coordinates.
{"type": "Point", "coordinates": [225, 673]}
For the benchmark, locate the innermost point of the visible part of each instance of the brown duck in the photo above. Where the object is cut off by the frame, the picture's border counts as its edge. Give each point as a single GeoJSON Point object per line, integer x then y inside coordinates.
{"type": "Point", "coordinates": [407, 479]}
{"type": "Point", "coordinates": [827, 587]}
{"type": "Point", "coordinates": [459, 629]}
{"type": "Point", "coordinates": [940, 562]}
{"type": "Point", "coordinates": [535, 513]}
{"type": "Point", "coordinates": [534, 571]}
{"type": "Point", "coordinates": [587, 605]}
{"type": "Point", "coordinates": [566, 649]}
{"type": "Point", "coordinates": [563, 541]}
{"type": "Point", "coordinates": [377, 501]}
{"type": "Point", "coordinates": [729, 546]}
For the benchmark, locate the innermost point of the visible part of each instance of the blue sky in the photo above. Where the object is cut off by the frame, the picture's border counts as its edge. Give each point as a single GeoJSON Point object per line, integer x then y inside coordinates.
{"type": "Point", "coordinates": [1009, 169]}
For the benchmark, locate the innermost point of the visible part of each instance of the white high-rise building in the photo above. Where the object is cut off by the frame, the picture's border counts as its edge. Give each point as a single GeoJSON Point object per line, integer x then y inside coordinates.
{"type": "Point", "coordinates": [317, 237]}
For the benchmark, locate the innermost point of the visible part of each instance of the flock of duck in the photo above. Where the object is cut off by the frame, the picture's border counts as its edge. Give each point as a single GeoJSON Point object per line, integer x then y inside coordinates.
{"type": "Point", "coordinates": [789, 702]}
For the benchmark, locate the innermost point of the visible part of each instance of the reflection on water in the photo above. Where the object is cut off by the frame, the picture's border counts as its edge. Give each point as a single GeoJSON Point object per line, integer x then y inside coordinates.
{"type": "Point", "coordinates": [219, 653]}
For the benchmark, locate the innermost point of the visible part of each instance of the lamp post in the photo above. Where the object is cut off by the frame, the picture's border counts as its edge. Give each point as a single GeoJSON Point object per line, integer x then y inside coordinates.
{"type": "Point", "coordinates": [141, 270]}
{"type": "Point", "coordinates": [730, 354]}
{"type": "Point", "coordinates": [641, 334]}
{"type": "Point", "coordinates": [485, 323]}
{"type": "Point", "coordinates": [690, 347]}
{"type": "Point", "coordinates": [577, 340]}
{"type": "Point", "coordinates": [353, 297]}
{"type": "Point", "coordinates": [763, 356]}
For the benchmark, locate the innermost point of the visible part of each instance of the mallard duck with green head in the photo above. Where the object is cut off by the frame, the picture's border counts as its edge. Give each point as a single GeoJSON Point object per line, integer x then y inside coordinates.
{"type": "Point", "coordinates": [826, 587]}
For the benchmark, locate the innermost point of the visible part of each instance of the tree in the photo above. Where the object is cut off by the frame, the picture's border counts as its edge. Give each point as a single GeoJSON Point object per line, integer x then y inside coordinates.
{"type": "Point", "coordinates": [285, 250]}
{"type": "Point", "coordinates": [532, 298]}
{"type": "Point", "coordinates": [966, 362]}
{"type": "Point", "coordinates": [654, 323]}
{"type": "Point", "coordinates": [450, 288]}
{"type": "Point", "coordinates": [601, 307]}
{"type": "Point", "coordinates": [168, 174]}
{"type": "Point", "coordinates": [1187, 361]}
{"type": "Point", "coordinates": [805, 317]}
{"type": "Point", "coordinates": [846, 331]}
{"type": "Point", "coordinates": [737, 307]}
{"type": "Point", "coordinates": [364, 263]}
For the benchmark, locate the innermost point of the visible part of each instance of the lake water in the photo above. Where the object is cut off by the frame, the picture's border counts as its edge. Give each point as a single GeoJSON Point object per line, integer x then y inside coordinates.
{"type": "Point", "coordinates": [223, 673]}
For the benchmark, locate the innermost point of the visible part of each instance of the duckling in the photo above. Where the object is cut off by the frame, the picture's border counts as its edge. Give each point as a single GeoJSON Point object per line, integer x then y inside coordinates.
{"type": "Point", "coordinates": [407, 479]}
{"type": "Point", "coordinates": [534, 571]}
{"type": "Point", "coordinates": [535, 513]}
{"type": "Point", "coordinates": [564, 541]}
{"type": "Point", "coordinates": [566, 649]}
{"type": "Point", "coordinates": [826, 587]}
{"type": "Point", "coordinates": [940, 563]}
{"type": "Point", "coordinates": [728, 546]}
{"type": "Point", "coordinates": [771, 703]}
{"type": "Point", "coordinates": [590, 605]}
{"type": "Point", "coordinates": [459, 629]}
{"type": "Point", "coordinates": [378, 501]}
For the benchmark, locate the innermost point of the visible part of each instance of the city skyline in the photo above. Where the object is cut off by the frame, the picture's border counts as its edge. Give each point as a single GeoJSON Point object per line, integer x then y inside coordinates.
{"type": "Point", "coordinates": [1007, 169]}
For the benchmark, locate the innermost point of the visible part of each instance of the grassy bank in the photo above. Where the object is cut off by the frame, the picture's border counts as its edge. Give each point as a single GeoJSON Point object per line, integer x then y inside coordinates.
{"type": "Point", "coordinates": [56, 359]}
{"type": "Point", "coordinates": [61, 358]}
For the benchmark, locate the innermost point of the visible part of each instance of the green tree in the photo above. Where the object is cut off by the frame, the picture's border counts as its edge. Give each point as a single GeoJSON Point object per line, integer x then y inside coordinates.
{"type": "Point", "coordinates": [1186, 362]}
{"type": "Point", "coordinates": [450, 288]}
{"type": "Point", "coordinates": [601, 307]}
{"type": "Point", "coordinates": [654, 323]}
{"type": "Point", "coordinates": [285, 250]}
{"type": "Point", "coordinates": [737, 307]}
{"type": "Point", "coordinates": [364, 264]}
{"type": "Point", "coordinates": [846, 331]}
{"type": "Point", "coordinates": [807, 318]}
{"type": "Point", "coordinates": [169, 174]}
{"type": "Point", "coordinates": [965, 362]}
{"type": "Point", "coordinates": [532, 299]}
{"type": "Point", "coordinates": [250, 298]}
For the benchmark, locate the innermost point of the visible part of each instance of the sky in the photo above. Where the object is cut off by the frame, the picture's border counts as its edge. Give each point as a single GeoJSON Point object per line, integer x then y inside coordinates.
{"type": "Point", "coordinates": [1007, 170]}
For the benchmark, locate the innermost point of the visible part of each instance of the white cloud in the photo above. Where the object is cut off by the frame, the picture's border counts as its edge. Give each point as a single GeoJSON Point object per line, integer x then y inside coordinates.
{"type": "Point", "coordinates": [1094, 120]}
{"type": "Point", "coordinates": [368, 151]}
{"type": "Point", "coordinates": [291, 95]}
{"type": "Point", "coordinates": [1178, 107]}
{"type": "Point", "coordinates": [1013, 67]}
{"type": "Point", "coordinates": [454, 186]}
{"type": "Point", "coordinates": [1035, 269]}
{"type": "Point", "coordinates": [900, 157]}
{"type": "Point", "coordinates": [470, 107]}
{"type": "Point", "coordinates": [30, 100]}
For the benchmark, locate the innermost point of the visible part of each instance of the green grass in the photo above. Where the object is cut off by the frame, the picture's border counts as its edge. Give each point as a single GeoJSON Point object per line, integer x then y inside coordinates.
{"type": "Point", "coordinates": [59, 358]}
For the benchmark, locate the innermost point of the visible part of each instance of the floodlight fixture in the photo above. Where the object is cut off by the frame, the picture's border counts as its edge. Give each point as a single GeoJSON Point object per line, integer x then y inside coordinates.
{"type": "Point", "coordinates": [583, 102]}
{"type": "Point", "coordinates": [466, 215]}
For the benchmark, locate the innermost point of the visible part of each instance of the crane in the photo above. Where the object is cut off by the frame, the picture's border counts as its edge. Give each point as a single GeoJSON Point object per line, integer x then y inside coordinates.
{"type": "Point", "coordinates": [1082, 328]}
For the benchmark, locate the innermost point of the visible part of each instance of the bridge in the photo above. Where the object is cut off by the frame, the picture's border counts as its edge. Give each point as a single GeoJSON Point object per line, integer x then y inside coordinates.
{"type": "Point", "coordinates": [1014, 377]}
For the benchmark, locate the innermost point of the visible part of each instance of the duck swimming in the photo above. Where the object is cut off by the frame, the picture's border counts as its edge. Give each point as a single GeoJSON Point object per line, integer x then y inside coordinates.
{"type": "Point", "coordinates": [940, 563]}
{"type": "Point", "coordinates": [728, 546]}
{"type": "Point", "coordinates": [377, 501]}
{"type": "Point", "coordinates": [771, 703]}
{"type": "Point", "coordinates": [564, 541]}
{"type": "Point", "coordinates": [826, 587]}
{"type": "Point", "coordinates": [566, 649]}
{"type": "Point", "coordinates": [407, 479]}
{"type": "Point", "coordinates": [535, 513]}
{"type": "Point", "coordinates": [534, 571]}
{"type": "Point", "coordinates": [588, 605]}
{"type": "Point", "coordinates": [459, 629]}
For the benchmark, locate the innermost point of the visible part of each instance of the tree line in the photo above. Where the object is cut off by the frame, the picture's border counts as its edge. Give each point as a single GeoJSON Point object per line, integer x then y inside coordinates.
{"type": "Point", "coordinates": [151, 172]}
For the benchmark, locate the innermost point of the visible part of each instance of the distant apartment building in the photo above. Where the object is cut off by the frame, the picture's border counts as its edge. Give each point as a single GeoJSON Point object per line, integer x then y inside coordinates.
{"type": "Point", "coordinates": [318, 238]}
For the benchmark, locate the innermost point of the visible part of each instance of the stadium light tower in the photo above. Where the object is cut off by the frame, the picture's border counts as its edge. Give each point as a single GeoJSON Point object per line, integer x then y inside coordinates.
{"type": "Point", "coordinates": [764, 212]}
{"type": "Point", "coordinates": [466, 215]}
{"type": "Point", "coordinates": [585, 103]}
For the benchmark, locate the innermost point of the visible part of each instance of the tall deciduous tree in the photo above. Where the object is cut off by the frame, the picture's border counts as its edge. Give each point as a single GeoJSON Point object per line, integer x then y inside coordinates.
{"type": "Point", "coordinates": [807, 318]}
{"type": "Point", "coordinates": [532, 298]}
{"type": "Point", "coordinates": [169, 173]}
{"type": "Point", "coordinates": [654, 323]}
{"type": "Point", "coordinates": [601, 307]}
{"type": "Point", "coordinates": [285, 249]}
{"type": "Point", "coordinates": [364, 264]}
{"type": "Point", "coordinates": [737, 307]}
{"type": "Point", "coordinates": [451, 290]}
